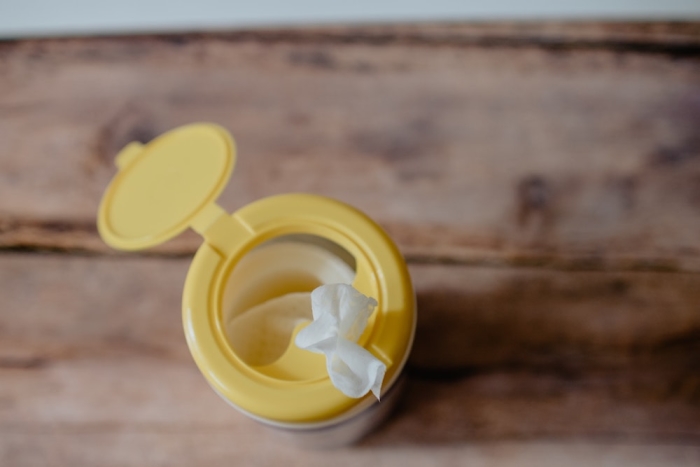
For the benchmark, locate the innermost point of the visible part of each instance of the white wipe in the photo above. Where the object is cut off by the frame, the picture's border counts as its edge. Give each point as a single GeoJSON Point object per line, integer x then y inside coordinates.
{"type": "Point", "coordinates": [340, 315]}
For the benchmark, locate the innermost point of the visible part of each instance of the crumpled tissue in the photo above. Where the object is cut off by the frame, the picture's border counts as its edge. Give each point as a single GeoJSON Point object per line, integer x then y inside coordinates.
{"type": "Point", "coordinates": [340, 315]}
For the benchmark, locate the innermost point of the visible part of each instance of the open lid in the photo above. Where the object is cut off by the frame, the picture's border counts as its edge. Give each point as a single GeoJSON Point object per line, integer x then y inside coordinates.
{"type": "Point", "coordinates": [162, 186]}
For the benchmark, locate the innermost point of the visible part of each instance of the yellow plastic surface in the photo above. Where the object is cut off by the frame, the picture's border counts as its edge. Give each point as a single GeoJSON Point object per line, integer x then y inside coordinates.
{"type": "Point", "coordinates": [163, 186]}
{"type": "Point", "coordinates": [283, 392]}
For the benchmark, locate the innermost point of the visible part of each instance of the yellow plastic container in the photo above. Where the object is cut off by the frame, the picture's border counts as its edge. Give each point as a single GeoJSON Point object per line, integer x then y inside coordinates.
{"type": "Point", "coordinates": [172, 183]}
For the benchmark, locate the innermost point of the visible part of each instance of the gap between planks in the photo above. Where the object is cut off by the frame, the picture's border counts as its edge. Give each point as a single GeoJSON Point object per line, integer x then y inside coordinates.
{"type": "Point", "coordinates": [93, 247]}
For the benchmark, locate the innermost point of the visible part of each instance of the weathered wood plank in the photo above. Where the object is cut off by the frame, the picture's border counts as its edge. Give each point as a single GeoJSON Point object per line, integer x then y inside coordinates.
{"type": "Point", "coordinates": [515, 152]}
{"type": "Point", "coordinates": [144, 392]}
{"type": "Point", "coordinates": [470, 318]}
{"type": "Point", "coordinates": [92, 349]}
{"type": "Point", "coordinates": [141, 392]}
{"type": "Point", "coordinates": [220, 447]}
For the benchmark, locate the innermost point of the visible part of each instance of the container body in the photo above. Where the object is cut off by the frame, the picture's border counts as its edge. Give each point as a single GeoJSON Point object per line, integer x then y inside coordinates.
{"type": "Point", "coordinates": [271, 265]}
{"type": "Point", "coordinates": [172, 183]}
{"type": "Point", "coordinates": [340, 431]}
{"type": "Point", "coordinates": [349, 431]}
{"type": "Point", "coordinates": [232, 285]}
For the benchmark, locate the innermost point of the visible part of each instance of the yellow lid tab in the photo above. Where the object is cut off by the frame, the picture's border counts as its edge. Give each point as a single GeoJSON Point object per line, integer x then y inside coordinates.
{"type": "Point", "coordinates": [162, 186]}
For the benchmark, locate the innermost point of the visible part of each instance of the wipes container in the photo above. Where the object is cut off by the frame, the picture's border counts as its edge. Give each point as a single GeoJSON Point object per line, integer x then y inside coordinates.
{"type": "Point", "coordinates": [246, 293]}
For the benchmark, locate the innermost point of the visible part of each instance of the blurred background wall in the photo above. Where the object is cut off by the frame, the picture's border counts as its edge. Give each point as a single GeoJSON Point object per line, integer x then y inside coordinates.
{"type": "Point", "coordinates": [50, 17]}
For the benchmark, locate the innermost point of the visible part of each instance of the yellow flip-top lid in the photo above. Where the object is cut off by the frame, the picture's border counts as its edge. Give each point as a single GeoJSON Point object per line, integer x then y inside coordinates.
{"type": "Point", "coordinates": [163, 186]}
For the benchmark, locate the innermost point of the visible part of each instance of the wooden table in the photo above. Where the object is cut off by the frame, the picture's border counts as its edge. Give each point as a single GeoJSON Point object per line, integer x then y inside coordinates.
{"type": "Point", "coordinates": [542, 180]}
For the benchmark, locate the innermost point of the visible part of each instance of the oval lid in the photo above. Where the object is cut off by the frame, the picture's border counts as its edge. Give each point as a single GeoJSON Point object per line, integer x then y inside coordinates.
{"type": "Point", "coordinates": [162, 186]}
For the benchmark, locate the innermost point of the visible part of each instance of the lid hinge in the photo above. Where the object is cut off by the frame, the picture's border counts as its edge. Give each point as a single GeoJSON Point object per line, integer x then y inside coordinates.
{"type": "Point", "coordinates": [220, 230]}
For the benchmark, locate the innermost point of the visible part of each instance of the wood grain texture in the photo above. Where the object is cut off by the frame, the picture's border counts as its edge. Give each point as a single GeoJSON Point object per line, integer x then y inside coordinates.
{"type": "Point", "coordinates": [565, 147]}
{"type": "Point", "coordinates": [542, 179]}
{"type": "Point", "coordinates": [95, 346]}
{"type": "Point", "coordinates": [470, 318]}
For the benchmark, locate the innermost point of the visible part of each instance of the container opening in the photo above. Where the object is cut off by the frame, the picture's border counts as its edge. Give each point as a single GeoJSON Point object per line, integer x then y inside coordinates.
{"type": "Point", "coordinates": [267, 294]}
